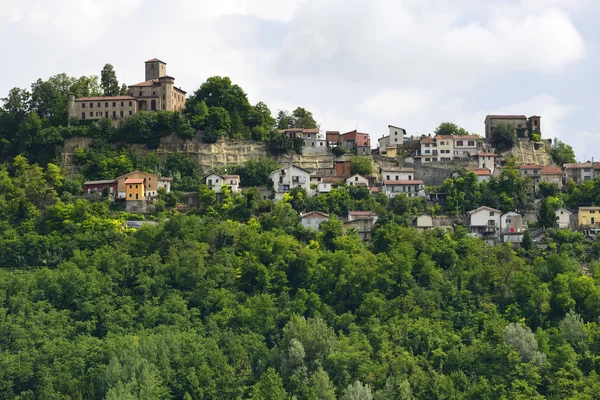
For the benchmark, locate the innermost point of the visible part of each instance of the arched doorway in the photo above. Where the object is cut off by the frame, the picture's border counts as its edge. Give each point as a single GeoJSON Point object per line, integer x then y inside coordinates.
{"type": "Point", "coordinates": [153, 105]}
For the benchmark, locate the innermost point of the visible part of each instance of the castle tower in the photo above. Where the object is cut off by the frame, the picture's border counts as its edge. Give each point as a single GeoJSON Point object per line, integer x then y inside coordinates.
{"type": "Point", "coordinates": [155, 69]}
{"type": "Point", "coordinates": [71, 106]}
{"type": "Point", "coordinates": [167, 83]}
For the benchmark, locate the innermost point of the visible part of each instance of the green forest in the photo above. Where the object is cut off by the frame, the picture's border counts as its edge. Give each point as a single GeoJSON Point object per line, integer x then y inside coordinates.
{"type": "Point", "coordinates": [237, 300]}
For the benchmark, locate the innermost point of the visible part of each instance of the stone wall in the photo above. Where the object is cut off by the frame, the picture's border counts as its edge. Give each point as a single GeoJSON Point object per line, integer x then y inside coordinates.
{"type": "Point", "coordinates": [530, 152]}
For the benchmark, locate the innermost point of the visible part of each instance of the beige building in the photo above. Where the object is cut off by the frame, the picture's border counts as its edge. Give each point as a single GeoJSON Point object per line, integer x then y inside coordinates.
{"type": "Point", "coordinates": [157, 92]}
{"type": "Point", "coordinates": [519, 122]}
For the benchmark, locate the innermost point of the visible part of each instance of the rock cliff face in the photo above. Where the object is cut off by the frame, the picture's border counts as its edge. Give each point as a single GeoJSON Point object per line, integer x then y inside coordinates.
{"type": "Point", "coordinates": [208, 155]}
{"type": "Point", "coordinates": [528, 152]}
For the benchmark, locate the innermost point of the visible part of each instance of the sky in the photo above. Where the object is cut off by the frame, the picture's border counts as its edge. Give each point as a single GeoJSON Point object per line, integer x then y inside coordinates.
{"type": "Point", "coordinates": [354, 64]}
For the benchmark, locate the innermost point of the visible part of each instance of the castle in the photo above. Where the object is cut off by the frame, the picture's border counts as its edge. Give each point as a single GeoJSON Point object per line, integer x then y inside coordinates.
{"type": "Point", "coordinates": [157, 92]}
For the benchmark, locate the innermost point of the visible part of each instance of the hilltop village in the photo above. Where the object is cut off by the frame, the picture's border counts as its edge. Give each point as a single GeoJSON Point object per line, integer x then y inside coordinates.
{"type": "Point", "coordinates": [401, 164]}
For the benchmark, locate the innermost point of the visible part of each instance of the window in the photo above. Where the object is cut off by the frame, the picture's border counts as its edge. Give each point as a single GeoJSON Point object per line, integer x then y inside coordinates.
{"type": "Point", "coordinates": [471, 143]}
{"type": "Point", "coordinates": [397, 178]}
{"type": "Point", "coordinates": [130, 104]}
{"type": "Point", "coordinates": [122, 103]}
{"type": "Point", "coordinates": [130, 195]}
{"type": "Point", "coordinates": [105, 114]}
{"type": "Point", "coordinates": [121, 113]}
{"type": "Point", "coordinates": [395, 139]}
{"type": "Point", "coordinates": [137, 196]}
{"type": "Point", "coordinates": [106, 104]}
{"type": "Point", "coordinates": [387, 177]}
{"type": "Point", "coordinates": [442, 143]}
{"type": "Point", "coordinates": [91, 114]}
{"type": "Point", "coordinates": [140, 93]}
{"type": "Point", "coordinates": [153, 93]}
{"type": "Point", "coordinates": [428, 159]}
{"type": "Point", "coordinates": [491, 213]}
{"type": "Point", "coordinates": [210, 182]}
{"type": "Point", "coordinates": [356, 179]}
{"type": "Point", "coordinates": [309, 135]}
{"type": "Point", "coordinates": [82, 105]}
{"type": "Point", "coordinates": [114, 103]}
{"type": "Point", "coordinates": [130, 186]}
{"type": "Point", "coordinates": [91, 105]}
{"type": "Point", "coordinates": [491, 222]}
{"type": "Point", "coordinates": [130, 112]}
{"type": "Point", "coordinates": [459, 143]}
{"type": "Point", "coordinates": [82, 115]}
{"type": "Point", "coordinates": [99, 104]}
{"type": "Point", "coordinates": [136, 186]}
{"type": "Point", "coordinates": [114, 114]}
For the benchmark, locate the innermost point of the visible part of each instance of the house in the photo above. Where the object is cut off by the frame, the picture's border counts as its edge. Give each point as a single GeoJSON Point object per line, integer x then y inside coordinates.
{"type": "Point", "coordinates": [327, 183]}
{"type": "Point", "coordinates": [563, 218]}
{"type": "Point", "coordinates": [588, 217]}
{"type": "Point", "coordinates": [512, 228]}
{"type": "Point", "coordinates": [151, 183]}
{"type": "Point", "coordinates": [519, 122]}
{"type": "Point", "coordinates": [424, 222]}
{"type": "Point", "coordinates": [428, 152]}
{"type": "Point", "coordinates": [357, 180]}
{"type": "Point", "coordinates": [552, 175]}
{"type": "Point", "coordinates": [362, 222]}
{"type": "Point", "coordinates": [395, 137]}
{"type": "Point", "coordinates": [465, 146]}
{"type": "Point", "coordinates": [157, 92]}
{"type": "Point", "coordinates": [98, 186]}
{"type": "Point", "coordinates": [484, 222]}
{"type": "Point", "coordinates": [215, 182]}
{"type": "Point", "coordinates": [397, 173]}
{"type": "Point", "coordinates": [354, 140]}
{"type": "Point", "coordinates": [165, 183]}
{"type": "Point", "coordinates": [533, 171]}
{"type": "Point", "coordinates": [483, 174]}
{"type": "Point", "coordinates": [487, 159]}
{"type": "Point", "coordinates": [333, 138]}
{"type": "Point", "coordinates": [313, 219]}
{"type": "Point", "coordinates": [410, 188]}
{"type": "Point", "coordinates": [135, 194]}
{"type": "Point", "coordinates": [310, 139]}
{"type": "Point", "coordinates": [389, 151]}
{"type": "Point", "coordinates": [445, 147]}
{"type": "Point", "coordinates": [579, 172]}
{"type": "Point", "coordinates": [287, 178]}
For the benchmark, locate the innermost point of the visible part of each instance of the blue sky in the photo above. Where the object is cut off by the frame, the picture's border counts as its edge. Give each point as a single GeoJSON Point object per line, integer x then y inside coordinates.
{"type": "Point", "coordinates": [354, 64]}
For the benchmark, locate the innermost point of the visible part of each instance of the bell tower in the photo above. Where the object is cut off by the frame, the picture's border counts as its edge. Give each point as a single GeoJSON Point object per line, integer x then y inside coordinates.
{"type": "Point", "coordinates": [155, 69]}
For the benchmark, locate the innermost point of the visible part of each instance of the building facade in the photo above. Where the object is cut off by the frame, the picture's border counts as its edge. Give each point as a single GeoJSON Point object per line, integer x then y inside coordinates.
{"type": "Point", "coordinates": [157, 92]}
{"type": "Point", "coordinates": [563, 218]}
{"type": "Point", "coordinates": [313, 219]}
{"type": "Point", "coordinates": [287, 178]}
{"type": "Point", "coordinates": [518, 122]}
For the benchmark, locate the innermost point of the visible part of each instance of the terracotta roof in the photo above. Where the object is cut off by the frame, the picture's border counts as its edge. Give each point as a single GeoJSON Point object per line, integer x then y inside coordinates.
{"type": "Point", "coordinates": [146, 83]}
{"type": "Point", "coordinates": [332, 179]}
{"type": "Point", "coordinates": [529, 166]}
{"type": "Point", "coordinates": [507, 116]}
{"type": "Point", "coordinates": [466, 137]}
{"type": "Point", "coordinates": [375, 189]}
{"type": "Point", "coordinates": [484, 208]}
{"type": "Point", "coordinates": [154, 60]}
{"type": "Point", "coordinates": [398, 169]}
{"type": "Point", "coordinates": [483, 172]}
{"type": "Point", "coordinates": [361, 213]}
{"type": "Point", "coordinates": [105, 98]}
{"type": "Point", "coordinates": [128, 181]}
{"type": "Point", "coordinates": [427, 140]}
{"type": "Point", "coordinates": [104, 182]}
{"type": "Point", "coordinates": [314, 214]}
{"type": "Point", "coordinates": [444, 137]}
{"type": "Point", "coordinates": [582, 165]}
{"type": "Point", "coordinates": [551, 171]}
{"type": "Point", "coordinates": [332, 131]}
{"type": "Point", "coordinates": [403, 182]}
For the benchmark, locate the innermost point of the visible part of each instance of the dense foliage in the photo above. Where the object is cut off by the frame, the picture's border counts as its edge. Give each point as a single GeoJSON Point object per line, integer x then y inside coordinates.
{"type": "Point", "coordinates": [239, 301]}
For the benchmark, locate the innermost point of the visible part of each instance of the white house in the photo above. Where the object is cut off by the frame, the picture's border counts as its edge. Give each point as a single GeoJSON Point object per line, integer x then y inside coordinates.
{"type": "Point", "coordinates": [484, 222]}
{"type": "Point", "coordinates": [445, 147]}
{"type": "Point", "coordinates": [465, 146]}
{"type": "Point", "coordinates": [395, 137]}
{"type": "Point", "coordinates": [428, 151]}
{"type": "Point", "coordinates": [487, 159]}
{"type": "Point", "coordinates": [424, 222]}
{"type": "Point", "coordinates": [165, 182]}
{"type": "Point", "coordinates": [397, 174]}
{"type": "Point", "coordinates": [362, 222]}
{"type": "Point", "coordinates": [563, 218]}
{"type": "Point", "coordinates": [313, 219]}
{"type": "Point", "coordinates": [483, 174]}
{"type": "Point", "coordinates": [357, 180]}
{"type": "Point", "coordinates": [216, 181]}
{"type": "Point", "coordinates": [410, 188]}
{"type": "Point", "coordinates": [287, 178]}
{"type": "Point", "coordinates": [512, 227]}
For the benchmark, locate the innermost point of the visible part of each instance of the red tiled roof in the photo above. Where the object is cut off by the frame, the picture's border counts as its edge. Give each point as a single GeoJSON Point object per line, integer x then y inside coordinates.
{"type": "Point", "coordinates": [466, 137]}
{"type": "Point", "coordinates": [550, 170]}
{"type": "Point", "coordinates": [128, 181]}
{"type": "Point", "coordinates": [529, 166]}
{"type": "Point", "coordinates": [582, 165]}
{"type": "Point", "coordinates": [103, 182]}
{"type": "Point", "coordinates": [231, 177]}
{"type": "Point", "coordinates": [483, 172]}
{"type": "Point", "coordinates": [427, 140]}
{"type": "Point", "coordinates": [403, 182]}
{"type": "Point", "coordinates": [484, 208]}
{"type": "Point", "coordinates": [146, 83]}
{"type": "Point", "coordinates": [314, 214]}
{"type": "Point", "coordinates": [507, 116]}
{"type": "Point", "coordinates": [105, 98]}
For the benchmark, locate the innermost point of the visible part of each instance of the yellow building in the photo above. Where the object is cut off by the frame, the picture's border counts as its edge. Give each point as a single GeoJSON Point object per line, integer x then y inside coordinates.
{"type": "Point", "coordinates": [134, 189]}
{"type": "Point", "coordinates": [150, 183]}
{"type": "Point", "coordinates": [588, 216]}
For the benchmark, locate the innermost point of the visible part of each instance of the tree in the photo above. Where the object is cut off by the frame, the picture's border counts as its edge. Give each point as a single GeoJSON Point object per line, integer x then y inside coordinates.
{"type": "Point", "coordinates": [572, 329]}
{"type": "Point", "coordinates": [108, 81]}
{"type": "Point", "coordinates": [361, 166]}
{"type": "Point", "coordinates": [278, 143]}
{"type": "Point", "coordinates": [503, 137]}
{"type": "Point", "coordinates": [269, 387]}
{"type": "Point", "coordinates": [217, 124]}
{"type": "Point", "coordinates": [450, 128]}
{"type": "Point", "coordinates": [299, 118]}
{"type": "Point", "coordinates": [522, 340]}
{"type": "Point", "coordinates": [562, 153]}
{"type": "Point", "coordinates": [358, 391]}
{"type": "Point", "coordinates": [546, 215]}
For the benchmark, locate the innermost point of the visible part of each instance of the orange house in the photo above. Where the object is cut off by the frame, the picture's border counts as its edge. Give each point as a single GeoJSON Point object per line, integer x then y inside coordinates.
{"type": "Point", "coordinates": [135, 189]}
